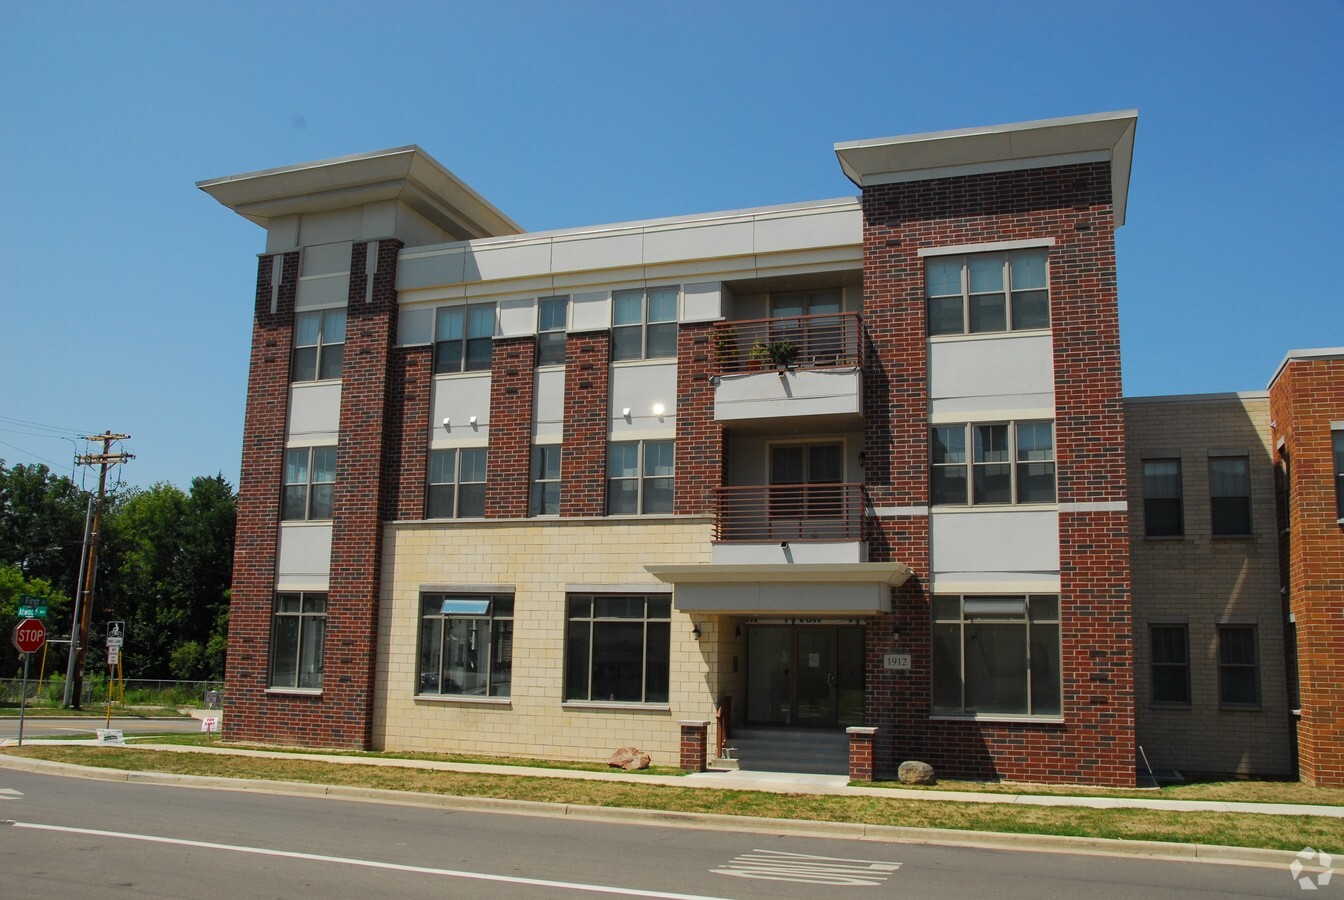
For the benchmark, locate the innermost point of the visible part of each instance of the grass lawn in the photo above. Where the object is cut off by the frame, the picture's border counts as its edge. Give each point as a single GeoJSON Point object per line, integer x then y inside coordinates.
{"type": "Point", "coordinates": [1229, 829]}
{"type": "Point", "coordinates": [91, 711]}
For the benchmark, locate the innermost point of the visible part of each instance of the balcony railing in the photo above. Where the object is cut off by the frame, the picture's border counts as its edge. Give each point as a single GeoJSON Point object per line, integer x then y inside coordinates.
{"type": "Point", "coordinates": [805, 342]}
{"type": "Point", "coordinates": [788, 512]}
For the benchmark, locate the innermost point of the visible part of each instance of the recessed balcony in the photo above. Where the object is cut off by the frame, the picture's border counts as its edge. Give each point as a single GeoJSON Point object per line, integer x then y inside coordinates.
{"type": "Point", "coordinates": [787, 367]}
{"type": "Point", "coordinates": [789, 523]}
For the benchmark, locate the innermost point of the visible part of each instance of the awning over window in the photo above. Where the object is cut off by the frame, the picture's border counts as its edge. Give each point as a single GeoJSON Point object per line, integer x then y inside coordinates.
{"type": "Point", "coordinates": [824, 588]}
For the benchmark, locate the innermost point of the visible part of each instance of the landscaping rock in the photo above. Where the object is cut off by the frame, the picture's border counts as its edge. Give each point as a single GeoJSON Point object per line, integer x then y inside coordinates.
{"type": "Point", "coordinates": [915, 772]}
{"type": "Point", "coordinates": [629, 758]}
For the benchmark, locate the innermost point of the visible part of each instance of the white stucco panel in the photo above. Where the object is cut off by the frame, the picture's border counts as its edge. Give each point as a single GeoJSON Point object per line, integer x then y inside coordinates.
{"type": "Point", "coordinates": [640, 388]}
{"type": "Point", "coordinates": [548, 405]}
{"type": "Point", "coordinates": [314, 408]}
{"type": "Point", "coordinates": [702, 302]}
{"type": "Point", "coordinates": [994, 541]}
{"type": "Point", "coordinates": [423, 269]}
{"type": "Point", "coordinates": [511, 260]}
{"type": "Point", "coordinates": [326, 259]}
{"type": "Point", "coordinates": [590, 311]}
{"type": "Point", "coordinates": [803, 229]}
{"type": "Point", "coordinates": [701, 241]}
{"type": "Point", "coordinates": [305, 550]}
{"type": "Point", "coordinates": [458, 398]}
{"type": "Point", "coordinates": [989, 367]}
{"type": "Point", "coordinates": [597, 251]}
{"type": "Point", "coordinates": [415, 325]}
{"type": "Point", "coordinates": [321, 291]}
{"type": "Point", "coordinates": [771, 394]}
{"type": "Point", "coordinates": [517, 317]}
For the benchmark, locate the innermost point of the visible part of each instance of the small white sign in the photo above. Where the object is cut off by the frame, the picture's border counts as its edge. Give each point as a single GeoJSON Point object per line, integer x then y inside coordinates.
{"type": "Point", "coordinates": [113, 655]}
{"type": "Point", "coordinates": [111, 737]}
{"type": "Point", "coordinates": [116, 633]}
{"type": "Point", "coordinates": [210, 723]}
{"type": "Point", "coordinates": [898, 661]}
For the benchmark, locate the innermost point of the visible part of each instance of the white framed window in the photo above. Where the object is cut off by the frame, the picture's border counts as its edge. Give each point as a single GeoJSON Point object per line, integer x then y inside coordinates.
{"type": "Point", "coordinates": [1230, 495]}
{"type": "Point", "coordinates": [997, 655]}
{"type": "Point", "coordinates": [319, 345]}
{"type": "Point", "coordinates": [639, 478]}
{"type": "Point", "coordinates": [310, 481]}
{"type": "Point", "coordinates": [464, 338]}
{"type": "Point", "coordinates": [1170, 646]}
{"type": "Point", "coordinates": [644, 324]}
{"type": "Point", "coordinates": [1162, 501]}
{"type": "Point", "coordinates": [456, 484]}
{"type": "Point", "coordinates": [545, 499]}
{"type": "Point", "coordinates": [298, 639]}
{"type": "Point", "coordinates": [466, 645]}
{"type": "Point", "coordinates": [618, 648]}
{"type": "Point", "coordinates": [993, 463]}
{"type": "Point", "coordinates": [1337, 440]}
{"type": "Point", "coordinates": [987, 292]}
{"type": "Point", "coordinates": [552, 320]}
{"type": "Point", "coordinates": [1238, 666]}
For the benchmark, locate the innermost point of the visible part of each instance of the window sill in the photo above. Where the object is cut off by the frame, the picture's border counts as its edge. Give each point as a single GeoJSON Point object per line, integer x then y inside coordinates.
{"type": "Point", "coordinates": [987, 335]}
{"type": "Point", "coordinates": [289, 523]}
{"type": "Point", "coordinates": [615, 706]}
{"type": "Point", "coordinates": [653, 360]}
{"type": "Point", "coordinates": [1159, 704]}
{"type": "Point", "coordinates": [463, 698]}
{"type": "Point", "coordinates": [1240, 707]}
{"type": "Point", "coordinates": [295, 692]}
{"type": "Point", "coordinates": [1164, 537]}
{"type": "Point", "coordinates": [315, 381]}
{"type": "Point", "coordinates": [994, 507]}
{"type": "Point", "coordinates": [992, 717]}
{"type": "Point", "coordinates": [1232, 537]}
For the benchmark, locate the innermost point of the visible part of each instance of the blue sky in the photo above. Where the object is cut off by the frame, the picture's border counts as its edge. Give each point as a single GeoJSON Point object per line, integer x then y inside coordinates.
{"type": "Point", "coordinates": [126, 293]}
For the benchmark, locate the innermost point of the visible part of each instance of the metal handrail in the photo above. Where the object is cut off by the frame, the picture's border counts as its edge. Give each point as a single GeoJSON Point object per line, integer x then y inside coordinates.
{"type": "Point", "coordinates": [805, 342]}
{"type": "Point", "coordinates": [788, 512]}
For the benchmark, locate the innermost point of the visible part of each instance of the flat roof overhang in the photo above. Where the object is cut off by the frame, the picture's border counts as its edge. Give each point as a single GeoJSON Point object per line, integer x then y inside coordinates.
{"type": "Point", "coordinates": [776, 589]}
{"type": "Point", "coordinates": [1097, 137]}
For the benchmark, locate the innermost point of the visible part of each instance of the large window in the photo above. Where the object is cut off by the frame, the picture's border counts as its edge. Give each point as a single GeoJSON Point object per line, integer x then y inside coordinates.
{"type": "Point", "coordinates": [987, 292]}
{"type": "Point", "coordinates": [310, 480]}
{"type": "Point", "coordinates": [464, 338]}
{"type": "Point", "coordinates": [298, 633]}
{"type": "Point", "coordinates": [551, 318]}
{"type": "Point", "coordinates": [996, 655]}
{"type": "Point", "coordinates": [1338, 438]}
{"type": "Point", "coordinates": [545, 499]}
{"type": "Point", "coordinates": [639, 478]}
{"type": "Point", "coordinates": [466, 644]}
{"type": "Point", "coordinates": [617, 648]}
{"type": "Point", "coordinates": [1171, 664]}
{"type": "Point", "coordinates": [1230, 494]}
{"type": "Point", "coordinates": [1010, 462]}
{"type": "Point", "coordinates": [1238, 666]}
{"type": "Point", "coordinates": [457, 483]}
{"type": "Point", "coordinates": [1162, 515]}
{"type": "Point", "coordinates": [644, 324]}
{"type": "Point", "coordinates": [319, 345]}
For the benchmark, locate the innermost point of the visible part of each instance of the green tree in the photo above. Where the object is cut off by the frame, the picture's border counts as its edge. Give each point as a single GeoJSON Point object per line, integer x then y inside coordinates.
{"type": "Point", "coordinates": [42, 524]}
{"type": "Point", "coordinates": [13, 586]}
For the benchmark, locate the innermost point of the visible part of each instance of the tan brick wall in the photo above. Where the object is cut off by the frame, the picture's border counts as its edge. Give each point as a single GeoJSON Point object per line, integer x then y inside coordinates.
{"type": "Point", "coordinates": [538, 559]}
{"type": "Point", "coordinates": [1206, 579]}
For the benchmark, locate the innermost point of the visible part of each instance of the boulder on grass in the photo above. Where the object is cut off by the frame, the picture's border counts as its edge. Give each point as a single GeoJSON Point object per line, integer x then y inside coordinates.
{"type": "Point", "coordinates": [629, 758]}
{"type": "Point", "coordinates": [915, 772]}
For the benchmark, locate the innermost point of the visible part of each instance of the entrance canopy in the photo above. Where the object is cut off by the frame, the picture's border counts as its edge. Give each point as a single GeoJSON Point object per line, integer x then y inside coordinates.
{"type": "Point", "coordinates": [822, 588]}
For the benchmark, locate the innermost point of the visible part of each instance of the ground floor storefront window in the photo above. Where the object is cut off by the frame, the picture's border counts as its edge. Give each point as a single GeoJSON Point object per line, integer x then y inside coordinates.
{"type": "Point", "coordinates": [617, 648]}
{"type": "Point", "coordinates": [996, 655]}
{"type": "Point", "coordinates": [466, 644]}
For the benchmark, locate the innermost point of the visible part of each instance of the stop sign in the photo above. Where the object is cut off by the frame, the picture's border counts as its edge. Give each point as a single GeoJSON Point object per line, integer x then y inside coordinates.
{"type": "Point", "coordinates": [29, 635]}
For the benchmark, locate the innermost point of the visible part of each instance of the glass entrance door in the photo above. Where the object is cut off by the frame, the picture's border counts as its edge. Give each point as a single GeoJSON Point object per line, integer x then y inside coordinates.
{"type": "Point", "coordinates": [806, 675]}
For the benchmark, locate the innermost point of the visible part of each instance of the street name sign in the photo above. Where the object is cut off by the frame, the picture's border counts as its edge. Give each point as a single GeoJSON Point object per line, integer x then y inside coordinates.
{"type": "Point", "coordinates": [32, 608]}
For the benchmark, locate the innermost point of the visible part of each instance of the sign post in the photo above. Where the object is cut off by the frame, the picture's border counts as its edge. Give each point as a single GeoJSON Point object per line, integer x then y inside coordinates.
{"type": "Point", "coordinates": [29, 636]}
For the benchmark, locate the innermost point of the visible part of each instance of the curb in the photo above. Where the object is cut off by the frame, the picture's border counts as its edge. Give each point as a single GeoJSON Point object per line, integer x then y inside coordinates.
{"type": "Point", "coordinates": [896, 834]}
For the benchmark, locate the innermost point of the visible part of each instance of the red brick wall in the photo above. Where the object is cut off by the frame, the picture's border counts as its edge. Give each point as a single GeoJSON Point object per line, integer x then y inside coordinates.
{"type": "Point", "coordinates": [699, 445]}
{"type": "Point", "coordinates": [1072, 204]}
{"type": "Point", "coordinates": [259, 490]}
{"type": "Point", "coordinates": [409, 381]}
{"type": "Point", "coordinates": [583, 467]}
{"type": "Point", "coordinates": [512, 386]}
{"type": "Point", "coordinates": [1305, 398]}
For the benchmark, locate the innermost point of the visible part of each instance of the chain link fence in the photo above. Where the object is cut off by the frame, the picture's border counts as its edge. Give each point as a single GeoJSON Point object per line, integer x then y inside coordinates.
{"type": "Point", "coordinates": [138, 692]}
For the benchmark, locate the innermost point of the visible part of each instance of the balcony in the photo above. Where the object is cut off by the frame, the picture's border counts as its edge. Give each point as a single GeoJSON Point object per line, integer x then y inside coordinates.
{"type": "Point", "coordinates": [794, 343]}
{"type": "Point", "coordinates": [760, 523]}
{"type": "Point", "coordinates": [801, 366]}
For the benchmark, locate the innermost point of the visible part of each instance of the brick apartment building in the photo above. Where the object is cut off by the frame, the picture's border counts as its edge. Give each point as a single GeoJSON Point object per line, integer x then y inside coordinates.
{"type": "Point", "coordinates": [855, 472]}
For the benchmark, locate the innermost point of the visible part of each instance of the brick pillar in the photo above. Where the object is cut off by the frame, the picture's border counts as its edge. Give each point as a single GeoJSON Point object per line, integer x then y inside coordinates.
{"type": "Point", "coordinates": [259, 490]}
{"type": "Point", "coordinates": [367, 430]}
{"type": "Point", "coordinates": [862, 752]}
{"type": "Point", "coordinates": [409, 382]}
{"type": "Point", "coordinates": [512, 386]}
{"type": "Point", "coordinates": [694, 746]}
{"type": "Point", "coordinates": [583, 467]}
{"type": "Point", "coordinates": [699, 447]}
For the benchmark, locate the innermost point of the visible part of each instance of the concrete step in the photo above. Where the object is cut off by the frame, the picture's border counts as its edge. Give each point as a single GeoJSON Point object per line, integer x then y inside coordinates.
{"type": "Point", "coordinates": [801, 750]}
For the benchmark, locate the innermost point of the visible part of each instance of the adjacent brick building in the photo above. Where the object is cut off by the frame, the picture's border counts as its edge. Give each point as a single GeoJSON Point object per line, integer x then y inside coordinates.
{"type": "Point", "coordinates": [846, 464]}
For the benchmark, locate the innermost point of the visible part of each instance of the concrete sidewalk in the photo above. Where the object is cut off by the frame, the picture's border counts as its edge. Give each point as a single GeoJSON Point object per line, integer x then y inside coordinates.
{"type": "Point", "coordinates": [771, 782]}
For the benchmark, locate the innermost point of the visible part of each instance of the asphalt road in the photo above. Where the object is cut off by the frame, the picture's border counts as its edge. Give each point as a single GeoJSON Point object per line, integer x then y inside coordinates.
{"type": "Point", "coordinates": [65, 726]}
{"type": "Point", "coordinates": [71, 837]}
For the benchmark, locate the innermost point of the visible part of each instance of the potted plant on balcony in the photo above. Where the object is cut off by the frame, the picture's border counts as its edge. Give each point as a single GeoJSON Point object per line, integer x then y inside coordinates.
{"type": "Point", "coordinates": [782, 354]}
{"type": "Point", "coordinates": [759, 353]}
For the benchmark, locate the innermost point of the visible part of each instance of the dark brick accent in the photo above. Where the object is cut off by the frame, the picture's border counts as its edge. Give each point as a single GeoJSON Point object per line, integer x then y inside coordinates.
{"type": "Point", "coordinates": [409, 382]}
{"type": "Point", "coordinates": [699, 446]}
{"type": "Point", "coordinates": [694, 746]}
{"type": "Point", "coordinates": [512, 386]}
{"type": "Point", "coordinates": [862, 744]}
{"type": "Point", "coordinates": [583, 467]}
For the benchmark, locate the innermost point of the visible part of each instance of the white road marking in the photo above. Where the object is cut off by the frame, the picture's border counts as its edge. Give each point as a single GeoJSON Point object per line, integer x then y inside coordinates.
{"type": "Point", "coordinates": [775, 865]}
{"type": "Point", "coordinates": [367, 863]}
{"type": "Point", "coordinates": [10, 794]}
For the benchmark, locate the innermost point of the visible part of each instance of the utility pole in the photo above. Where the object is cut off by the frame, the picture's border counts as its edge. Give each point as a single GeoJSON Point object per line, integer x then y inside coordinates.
{"type": "Point", "coordinates": [84, 602]}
